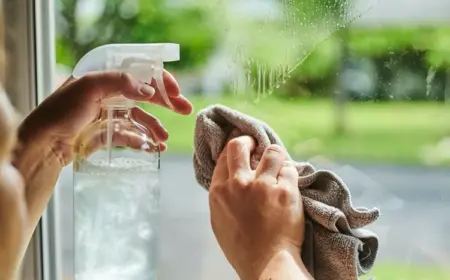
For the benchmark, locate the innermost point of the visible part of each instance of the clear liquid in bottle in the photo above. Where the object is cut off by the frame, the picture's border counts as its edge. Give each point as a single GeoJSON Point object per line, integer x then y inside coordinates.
{"type": "Point", "coordinates": [116, 200]}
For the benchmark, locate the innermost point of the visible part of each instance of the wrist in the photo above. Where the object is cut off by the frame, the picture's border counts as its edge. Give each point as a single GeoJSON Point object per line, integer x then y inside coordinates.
{"type": "Point", "coordinates": [285, 265]}
{"type": "Point", "coordinates": [34, 148]}
{"type": "Point", "coordinates": [31, 154]}
{"type": "Point", "coordinates": [265, 264]}
{"type": "Point", "coordinates": [40, 168]}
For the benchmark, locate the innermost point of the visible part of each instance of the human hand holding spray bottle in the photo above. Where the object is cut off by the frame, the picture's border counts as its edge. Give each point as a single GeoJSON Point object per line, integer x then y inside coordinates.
{"type": "Point", "coordinates": [116, 192]}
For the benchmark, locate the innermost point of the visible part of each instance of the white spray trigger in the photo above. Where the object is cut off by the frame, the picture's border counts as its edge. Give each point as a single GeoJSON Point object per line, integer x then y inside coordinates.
{"type": "Point", "coordinates": [149, 69]}
{"type": "Point", "coordinates": [144, 62]}
{"type": "Point", "coordinates": [159, 78]}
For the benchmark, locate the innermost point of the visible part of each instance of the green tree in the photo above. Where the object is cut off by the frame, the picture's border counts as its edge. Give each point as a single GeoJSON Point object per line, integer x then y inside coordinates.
{"type": "Point", "coordinates": [149, 21]}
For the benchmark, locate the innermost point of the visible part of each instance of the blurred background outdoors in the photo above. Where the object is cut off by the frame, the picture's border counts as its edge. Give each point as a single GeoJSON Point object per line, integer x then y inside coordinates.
{"type": "Point", "coordinates": [362, 88]}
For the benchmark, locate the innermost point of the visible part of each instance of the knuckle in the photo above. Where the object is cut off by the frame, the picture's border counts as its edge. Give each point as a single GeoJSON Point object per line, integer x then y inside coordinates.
{"type": "Point", "coordinates": [87, 84]}
{"type": "Point", "coordinates": [262, 188]}
{"type": "Point", "coordinates": [235, 144]}
{"type": "Point", "coordinates": [217, 192]}
{"type": "Point", "coordinates": [289, 170]}
{"type": "Point", "coordinates": [87, 81]}
{"type": "Point", "coordinates": [239, 180]}
{"type": "Point", "coordinates": [293, 170]}
{"type": "Point", "coordinates": [284, 196]}
{"type": "Point", "coordinates": [275, 153]}
{"type": "Point", "coordinates": [125, 78]}
{"type": "Point", "coordinates": [260, 183]}
{"type": "Point", "coordinates": [277, 149]}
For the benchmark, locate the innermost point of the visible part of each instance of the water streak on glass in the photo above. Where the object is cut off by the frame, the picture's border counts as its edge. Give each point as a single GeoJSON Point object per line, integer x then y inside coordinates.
{"type": "Point", "coordinates": [271, 46]}
{"type": "Point", "coordinates": [429, 80]}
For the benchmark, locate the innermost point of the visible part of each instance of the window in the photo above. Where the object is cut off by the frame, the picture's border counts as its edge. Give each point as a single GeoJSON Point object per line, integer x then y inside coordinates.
{"type": "Point", "coordinates": [359, 87]}
{"type": "Point", "coordinates": [27, 34]}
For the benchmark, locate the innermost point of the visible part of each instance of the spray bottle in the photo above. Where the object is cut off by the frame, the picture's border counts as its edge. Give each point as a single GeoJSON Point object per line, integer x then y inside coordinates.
{"type": "Point", "coordinates": [116, 191]}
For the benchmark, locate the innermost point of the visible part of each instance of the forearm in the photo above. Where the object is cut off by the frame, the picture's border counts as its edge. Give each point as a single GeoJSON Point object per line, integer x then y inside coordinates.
{"type": "Point", "coordinates": [284, 266]}
{"type": "Point", "coordinates": [12, 213]}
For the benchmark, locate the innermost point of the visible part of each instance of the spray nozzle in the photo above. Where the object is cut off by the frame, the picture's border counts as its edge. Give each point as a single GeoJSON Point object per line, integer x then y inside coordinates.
{"type": "Point", "coordinates": [144, 62]}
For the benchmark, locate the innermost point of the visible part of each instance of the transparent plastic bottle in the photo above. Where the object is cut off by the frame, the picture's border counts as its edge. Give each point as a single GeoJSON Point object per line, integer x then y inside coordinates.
{"type": "Point", "coordinates": [116, 190]}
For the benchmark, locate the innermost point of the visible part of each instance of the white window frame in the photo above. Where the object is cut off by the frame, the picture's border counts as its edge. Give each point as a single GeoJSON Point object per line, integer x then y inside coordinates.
{"type": "Point", "coordinates": [29, 42]}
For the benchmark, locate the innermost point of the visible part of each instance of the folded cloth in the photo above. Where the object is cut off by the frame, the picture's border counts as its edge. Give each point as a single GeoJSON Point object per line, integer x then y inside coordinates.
{"type": "Point", "coordinates": [335, 245]}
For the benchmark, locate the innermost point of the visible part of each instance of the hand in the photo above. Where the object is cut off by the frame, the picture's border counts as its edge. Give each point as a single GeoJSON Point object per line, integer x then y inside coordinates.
{"type": "Point", "coordinates": [256, 214]}
{"type": "Point", "coordinates": [47, 136]}
{"type": "Point", "coordinates": [62, 116]}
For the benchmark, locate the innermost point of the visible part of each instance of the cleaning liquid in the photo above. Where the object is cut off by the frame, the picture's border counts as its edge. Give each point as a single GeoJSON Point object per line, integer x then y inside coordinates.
{"type": "Point", "coordinates": [116, 219]}
{"type": "Point", "coordinates": [116, 168]}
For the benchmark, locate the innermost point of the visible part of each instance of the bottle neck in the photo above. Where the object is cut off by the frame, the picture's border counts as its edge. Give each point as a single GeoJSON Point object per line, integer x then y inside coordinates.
{"type": "Point", "coordinates": [118, 101]}
{"type": "Point", "coordinates": [115, 112]}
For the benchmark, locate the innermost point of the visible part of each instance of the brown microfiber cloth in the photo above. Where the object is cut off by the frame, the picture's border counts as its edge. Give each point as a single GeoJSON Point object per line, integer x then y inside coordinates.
{"type": "Point", "coordinates": [335, 247]}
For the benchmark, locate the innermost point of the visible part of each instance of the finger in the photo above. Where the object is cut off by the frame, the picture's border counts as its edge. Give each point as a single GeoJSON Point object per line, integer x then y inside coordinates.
{"type": "Point", "coordinates": [119, 139]}
{"type": "Point", "coordinates": [110, 84]}
{"type": "Point", "coordinates": [288, 176]}
{"type": "Point", "coordinates": [238, 155]}
{"type": "Point", "coordinates": [271, 161]}
{"type": "Point", "coordinates": [162, 146]}
{"type": "Point", "coordinates": [170, 83]}
{"type": "Point", "coordinates": [181, 104]}
{"type": "Point", "coordinates": [67, 82]}
{"type": "Point", "coordinates": [221, 170]}
{"type": "Point", "coordinates": [125, 139]}
{"type": "Point", "coordinates": [105, 85]}
{"type": "Point", "coordinates": [151, 123]}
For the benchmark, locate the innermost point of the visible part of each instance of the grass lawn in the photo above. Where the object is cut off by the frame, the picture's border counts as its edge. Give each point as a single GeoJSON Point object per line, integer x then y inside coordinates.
{"type": "Point", "coordinates": [392, 271]}
{"type": "Point", "coordinates": [385, 132]}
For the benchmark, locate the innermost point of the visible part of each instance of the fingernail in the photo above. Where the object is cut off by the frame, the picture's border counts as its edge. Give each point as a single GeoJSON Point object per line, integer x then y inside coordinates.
{"type": "Point", "coordinates": [147, 89]}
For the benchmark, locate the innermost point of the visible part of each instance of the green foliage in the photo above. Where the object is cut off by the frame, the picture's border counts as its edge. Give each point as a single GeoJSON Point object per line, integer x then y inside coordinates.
{"type": "Point", "coordinates": [401, 58]}
{"type": "Point", "coordinates": [64, 53]}
{"type": "Point", "coordinates": [154, 22]}
{"type": "Point", "coordinates": [198, 26]}
{"type": "Point", "coordinates": [378, 42]}
{"type": "Point", "coordinates": [189, 28]}
{"type": "Point", "coordinates": [310, 32]}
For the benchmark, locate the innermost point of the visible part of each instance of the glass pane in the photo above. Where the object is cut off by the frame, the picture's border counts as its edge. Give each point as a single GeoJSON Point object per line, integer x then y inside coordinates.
{"type": "Point", "coordinates": [361, 88]}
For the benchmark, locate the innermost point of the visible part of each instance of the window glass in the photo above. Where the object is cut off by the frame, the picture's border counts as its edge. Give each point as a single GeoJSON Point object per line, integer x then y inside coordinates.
{"type": "Point", "coordinates": [361, 88]}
